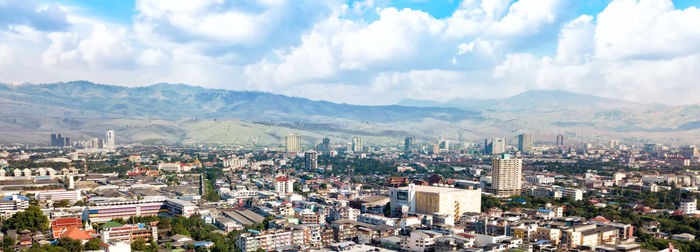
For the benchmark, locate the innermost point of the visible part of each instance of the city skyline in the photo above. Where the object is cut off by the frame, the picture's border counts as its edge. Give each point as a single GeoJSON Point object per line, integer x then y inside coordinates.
{"type": "Point", "coordinates": [362, 51]}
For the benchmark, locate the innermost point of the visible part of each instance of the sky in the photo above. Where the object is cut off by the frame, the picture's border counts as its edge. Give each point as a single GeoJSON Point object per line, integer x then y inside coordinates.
{"type": "Point", "coordinates": [362, 51]}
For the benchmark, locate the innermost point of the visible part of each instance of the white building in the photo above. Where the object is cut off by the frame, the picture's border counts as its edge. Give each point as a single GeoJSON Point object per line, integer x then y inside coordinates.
{"type": "Point", "coordinates": [540, 179]}
{"type": "Point", "coordinates": [110, 139]}
{"type": "Point", "coordinates": [376, 219]}
{"type": "Point", "coordinates": [171, 167]}
{"type": "Point", "coordinates": [235, 162]}
{"type": "Point", "coordinates": [434, 200]}
{"type": "Point", "coordinates": [284, 186]}
{"type": "Point", "coordinates": [420, 240]}
{"type": "Point", "coordinates": [689, 206]}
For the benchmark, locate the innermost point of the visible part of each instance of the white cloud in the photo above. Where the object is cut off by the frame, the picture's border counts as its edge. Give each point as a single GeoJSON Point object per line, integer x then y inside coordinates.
{"type": "Point", "coordinates": [366, 52]}
{"type": "Point", "coordinates": [576, 41]}
{"type": "Point", "coordinates": [103, 48]}
{"type": "Point", "coordinates": [646, 29]}
{"type": "Point", "coordinates": [5, 54]}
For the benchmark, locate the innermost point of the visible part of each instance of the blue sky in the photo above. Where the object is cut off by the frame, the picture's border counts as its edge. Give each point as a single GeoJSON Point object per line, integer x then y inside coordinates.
{"type": "Point", "coordinates": [362, 51]}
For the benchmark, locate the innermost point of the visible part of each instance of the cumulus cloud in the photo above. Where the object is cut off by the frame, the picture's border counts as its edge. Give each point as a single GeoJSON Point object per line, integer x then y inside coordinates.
{"type": "Point", "coordinates": [102, 48]}
{"type": "Point", "coordinates": [29, 12]}
{"type": "Point", "coordinates": [366, 51]}
{"type": "Point", "coordinates": [648, 29]}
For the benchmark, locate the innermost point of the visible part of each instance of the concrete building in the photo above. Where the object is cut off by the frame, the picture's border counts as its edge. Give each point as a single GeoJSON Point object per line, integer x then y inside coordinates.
{"type": "Point", "coordinates": [434, 200]}
{"type": "Point", "coordinates": [284, 186]}
{"type": "Point", "coordinates": [560, 140]}
{"type": "Point", "coordinates": [495, 146]}
{"type": "Point", "coordinates": [688, 206]}
{"type": "Point", "coordinates": [507, 176]}
{"type": "Point", "coordinates": [109, 139]}
{"type": "Point", "coordinates": [293, 142]}
{"type": "Point", "coordinates": [106, 211]}
{"type": "Point", "coordinates": [311, 160]}
{"type": "Point", "coordinates": [357, 145]}
{"type": "Point", "coordinates": [525, 142]}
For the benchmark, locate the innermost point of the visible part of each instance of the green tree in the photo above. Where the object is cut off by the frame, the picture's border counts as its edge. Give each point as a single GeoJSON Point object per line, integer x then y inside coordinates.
{"type": "Point", "coordinates": [139, 244]}
{"type": "Point", "coordinates": [8, 242]}
{"type": "Point", "coordinates": [30, 219]}
{"type": "Point", "coordinates": [93, 244]}
{"type": "Point", "coordinates": [70, 244]}
{"type": "Point", "coordinates": [61, 203]}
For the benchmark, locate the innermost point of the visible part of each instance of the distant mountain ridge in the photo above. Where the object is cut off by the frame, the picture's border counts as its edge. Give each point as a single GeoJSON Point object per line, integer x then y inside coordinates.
{"type": "Point", "coordinates": [179, 113]}
{"type": "Point", "coordinates": [179, 101]}
{"type": "Point", "coordinates": [532, 100]}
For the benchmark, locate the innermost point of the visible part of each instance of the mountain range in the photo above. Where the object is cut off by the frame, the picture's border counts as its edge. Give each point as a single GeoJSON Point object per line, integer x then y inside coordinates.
{"type": "Point", "coordinates": [178, 113]}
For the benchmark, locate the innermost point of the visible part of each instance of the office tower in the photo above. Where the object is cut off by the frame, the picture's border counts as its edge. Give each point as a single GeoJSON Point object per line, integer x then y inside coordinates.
{"type": "Point", "coordinates": [357, 144]}
{"type": "Point", "coordinates": [614, 143]}
{"type": "Point", "coordinates": [444, 144]}
{"type": "Point", "coordinates": [324, 146]}
{"type": "Point", "coordinates": [110, 139]}
{"type": "Point", "coordinates": [54, 140]}
{"type": "Point", "coordinates": [525, 142]}
{"type": "Point", "coordinates": [690, 151]}
{"type": "Point", "coordinates": [293, 142]}
{"type": "Point", "coordinates": [560, 140]}
{"type": "Point", "coordinates": [311, 160]}
{"type": "Point", "coordinates": [57, 140]}
{"type": "Point", "coordinates": [408, 144]}
{"type": "Point", "coordinates": [93, 143]}
{"type": "Point", "coordinates": [506, 174]}
{"type": "Point", "coordinates": [495, 146]}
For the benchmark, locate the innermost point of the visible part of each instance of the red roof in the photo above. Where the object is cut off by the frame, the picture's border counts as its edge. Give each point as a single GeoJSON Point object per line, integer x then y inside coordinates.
{"type": "Point", "coordinates": [76, 234]}
{"type": "Point", "coordinates": [465, 235]}
{"type": "Point", "coordinates": [282, 179]}
{"type": "Point", "coordinates": [67, 222]}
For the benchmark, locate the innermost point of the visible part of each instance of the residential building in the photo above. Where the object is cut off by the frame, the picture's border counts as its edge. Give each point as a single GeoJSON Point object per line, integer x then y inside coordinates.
{"type": "Point", "coordinates": [293, 142]}
{"type": "Point", "coordinates": [507, 176]}
{"type": "Point", "coordinates": [284, 186]}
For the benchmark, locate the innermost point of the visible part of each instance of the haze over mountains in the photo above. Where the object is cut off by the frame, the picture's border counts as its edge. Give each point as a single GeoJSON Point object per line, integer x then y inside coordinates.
{"type": "Point", "coordinates": [177, 113]}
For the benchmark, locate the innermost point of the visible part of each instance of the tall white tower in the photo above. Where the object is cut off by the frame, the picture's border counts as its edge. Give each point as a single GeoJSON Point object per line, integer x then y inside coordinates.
{"type": "Point", "coordinates": [110, 139]}
{"type": "Point", "coordinates": [71, 182]}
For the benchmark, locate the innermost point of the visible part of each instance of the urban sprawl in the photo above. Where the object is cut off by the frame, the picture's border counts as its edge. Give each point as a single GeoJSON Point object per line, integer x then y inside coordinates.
{"type": "Point", "coordinates": [525, 194]}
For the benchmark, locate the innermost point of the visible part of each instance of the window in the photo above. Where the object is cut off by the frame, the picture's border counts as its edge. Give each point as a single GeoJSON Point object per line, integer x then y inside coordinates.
{"type": "Point", "coordinates": [402, 195]}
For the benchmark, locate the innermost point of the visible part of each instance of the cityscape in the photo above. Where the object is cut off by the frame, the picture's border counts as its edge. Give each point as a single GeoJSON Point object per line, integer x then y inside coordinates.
{"type": "Point", "coordinates": [349, 125]}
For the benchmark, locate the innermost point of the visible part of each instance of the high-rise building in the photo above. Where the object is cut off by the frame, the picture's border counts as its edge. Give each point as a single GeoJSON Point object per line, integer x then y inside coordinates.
{"type": "Point", "coordinates": [57, 140]}
{"type": "Point", "coordinates": [408, 144]}
{"type": "Point", "coordinates": [525, 142]}
{"type": "Point", "coordinates": [560, 140]}
{"type": "Point", "coordinates": [310, 160]}
{"type": "Point", "coordinates": [293, 142]}
{"type": "Point", "coordinates": [690, 151]}
{"type": "Point", "coordinates": [614, 143]}
{"type": "Point", "coordinates": [357, 144]}
{"type": "Point", "coordinates": [110, 139]}
{"type": "Point", "coordinates": [444, 144]}
{"type": "Point", "coordinates": [324, 147]}
{"type": "Point", "coordinates": [495, 146]}
{"type": "Point", "coordinates": [506, 174]}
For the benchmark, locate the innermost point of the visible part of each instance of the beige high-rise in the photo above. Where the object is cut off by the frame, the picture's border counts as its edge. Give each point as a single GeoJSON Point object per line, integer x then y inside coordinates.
{"type": "Point", "coordinates": [507, 176]}
{"type": "Point", "coordinates": [293, 142]}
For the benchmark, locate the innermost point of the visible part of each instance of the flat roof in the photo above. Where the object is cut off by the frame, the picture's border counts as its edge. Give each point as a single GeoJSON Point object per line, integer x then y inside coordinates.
{"type": "Point", "coordinates": [437, 189]}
